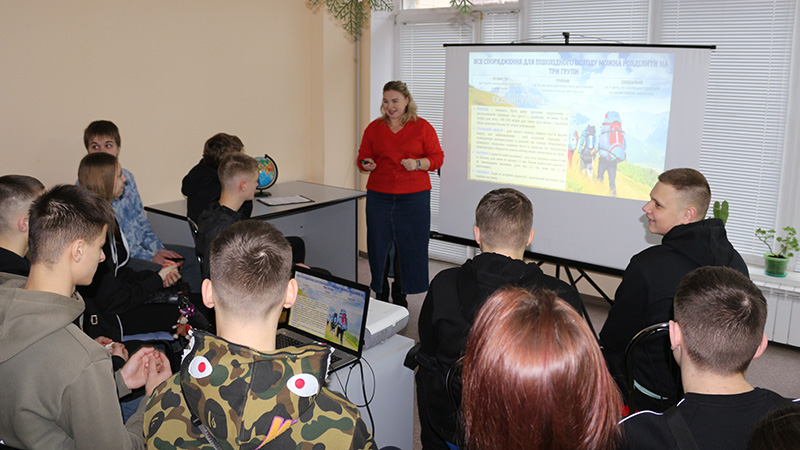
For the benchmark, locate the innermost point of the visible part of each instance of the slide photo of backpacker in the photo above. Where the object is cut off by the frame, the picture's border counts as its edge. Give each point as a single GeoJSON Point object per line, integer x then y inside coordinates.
{"type": "Point", "coordinates": [610, 149]}
{"type": "Point", "coordinates": [342, 325]}
{"type": "Point", "coordinates": [588, 150]}
{"type": "Point", "coordinates": [572, 146]}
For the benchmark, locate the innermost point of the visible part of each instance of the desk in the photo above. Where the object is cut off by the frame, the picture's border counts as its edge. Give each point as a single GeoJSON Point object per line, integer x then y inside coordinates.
{"type": "Point", "coordinates": [328, 225]}
{"type": "Point", "coordinates": [393, 405]}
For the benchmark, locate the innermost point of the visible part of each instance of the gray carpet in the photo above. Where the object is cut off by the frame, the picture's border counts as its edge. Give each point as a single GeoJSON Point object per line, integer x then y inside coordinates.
{"type": "Point", "coordinates": [777, 369]}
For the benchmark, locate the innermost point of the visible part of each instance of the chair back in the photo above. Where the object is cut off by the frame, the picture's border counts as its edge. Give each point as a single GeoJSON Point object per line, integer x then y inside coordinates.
{"type": "Point", "coordinates": [644, 358]}
{"type": "Point", "coordinates": [193, 227]}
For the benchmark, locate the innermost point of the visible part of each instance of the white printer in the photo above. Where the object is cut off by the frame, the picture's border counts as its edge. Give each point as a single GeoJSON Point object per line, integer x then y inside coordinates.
{"type": "Point", "coordinates": [384, 320]}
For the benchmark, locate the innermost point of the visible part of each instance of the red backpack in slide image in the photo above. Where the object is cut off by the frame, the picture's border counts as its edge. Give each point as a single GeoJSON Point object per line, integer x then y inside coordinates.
{"type": "Point", "coordinates": [612, 143]}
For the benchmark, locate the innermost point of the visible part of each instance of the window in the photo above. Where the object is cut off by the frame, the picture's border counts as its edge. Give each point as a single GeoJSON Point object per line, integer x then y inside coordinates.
{"type": "Point", "coordinates": [421, 65]}
{"type": "Point", "coordinates": [747, 109]}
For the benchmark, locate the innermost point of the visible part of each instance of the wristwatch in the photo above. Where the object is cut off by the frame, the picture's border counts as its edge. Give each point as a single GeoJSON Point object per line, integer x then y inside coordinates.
{"type": "Point", "coordinates": [419, 164]}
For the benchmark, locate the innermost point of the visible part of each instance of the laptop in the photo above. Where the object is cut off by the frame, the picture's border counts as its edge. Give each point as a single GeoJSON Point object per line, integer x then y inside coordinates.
{"type": "Point", "coordinates": [329, 310]}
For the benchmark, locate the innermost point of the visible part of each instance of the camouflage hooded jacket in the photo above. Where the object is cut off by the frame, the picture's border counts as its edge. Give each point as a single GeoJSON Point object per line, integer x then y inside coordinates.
{"type": "Point", "coordinates": [252, 400]}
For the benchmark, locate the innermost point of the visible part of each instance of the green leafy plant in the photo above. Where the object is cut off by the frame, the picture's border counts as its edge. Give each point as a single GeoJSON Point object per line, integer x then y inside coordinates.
{"type": "Point", "coordinates": [354, 14]}
{"type": "Point", "coordinates": [785, 245]}
{"type": "Point", "coordinates": [721, 210]}
{"type": "Point", "coordinates": [463, 6]}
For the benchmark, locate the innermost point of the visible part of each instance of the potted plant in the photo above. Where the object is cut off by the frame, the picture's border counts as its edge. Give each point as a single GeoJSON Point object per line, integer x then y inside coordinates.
{"type": "Point", "coordinates": [775, 261]}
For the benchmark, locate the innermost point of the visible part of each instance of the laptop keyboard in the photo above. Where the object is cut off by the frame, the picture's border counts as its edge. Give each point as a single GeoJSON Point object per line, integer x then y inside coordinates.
{"type": "Point", "coordinates": [283, 341]}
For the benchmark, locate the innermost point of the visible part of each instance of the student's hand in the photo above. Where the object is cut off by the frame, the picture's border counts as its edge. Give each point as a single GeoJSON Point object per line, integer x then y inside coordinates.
{"type": "Point", "coordinates": [169, 274]}
{"type": "Point", "coordinates": [162, 255]}
{"type": "Point", "coordinates": [368, 164]}
{"type": "Point", "coordinates": [158, 371]}
{"type": "Point", "coordinates": [102, 340]}
{"type": "Point", "coordinates": [118, 349]}
{"type": "Point", "coordinates": [134, 372]}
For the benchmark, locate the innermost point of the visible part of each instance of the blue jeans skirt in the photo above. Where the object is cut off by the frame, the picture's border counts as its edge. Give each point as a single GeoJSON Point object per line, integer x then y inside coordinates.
{"type": "Point", "coordinates": [405, 220]}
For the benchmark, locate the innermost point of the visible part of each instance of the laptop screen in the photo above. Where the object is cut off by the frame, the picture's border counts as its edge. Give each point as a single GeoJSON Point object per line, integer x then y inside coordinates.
{"type": "Point", "coordinates": [329, 308]}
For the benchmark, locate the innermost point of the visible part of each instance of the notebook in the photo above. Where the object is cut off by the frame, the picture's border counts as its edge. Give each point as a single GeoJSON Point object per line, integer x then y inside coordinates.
{"type": "Point", "coordinates": [330, 310]}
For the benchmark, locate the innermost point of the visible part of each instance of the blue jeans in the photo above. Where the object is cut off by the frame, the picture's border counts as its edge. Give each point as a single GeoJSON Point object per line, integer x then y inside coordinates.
{"type": "Point", "coordinates": [405, 220]}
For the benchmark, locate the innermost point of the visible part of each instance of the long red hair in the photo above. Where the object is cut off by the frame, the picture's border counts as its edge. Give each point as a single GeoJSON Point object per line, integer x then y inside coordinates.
{"type": "Point", "coordinates": [534, 378]}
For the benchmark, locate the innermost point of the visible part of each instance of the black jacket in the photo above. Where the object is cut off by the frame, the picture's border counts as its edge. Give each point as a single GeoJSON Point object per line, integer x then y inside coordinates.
{"type": "Point", "coordinates": [454, 298]}
{"type": "Point", "coordinates": [212, 221]}
{"type": "Point", "coordinates": [11, 262]}
{"type": "Point", "coordinates": [648, 285]}
{"type": "Point", "coordinates": [115, 289]}
{"type": "Point", "coordinates": [201, 188]}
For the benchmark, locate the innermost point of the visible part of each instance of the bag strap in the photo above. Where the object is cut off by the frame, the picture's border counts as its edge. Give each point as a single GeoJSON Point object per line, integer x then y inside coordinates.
{"type": "Point", "coordinates": [680, 430]}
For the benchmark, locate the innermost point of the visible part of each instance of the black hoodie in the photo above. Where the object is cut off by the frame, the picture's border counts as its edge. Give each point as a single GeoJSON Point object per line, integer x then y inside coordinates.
{"type": "Point", "coordinates": [645, 295]}
{"type": "Point", "coordinates": [454, 298]}
{"type": "Point", "coordinates": [202, 188]}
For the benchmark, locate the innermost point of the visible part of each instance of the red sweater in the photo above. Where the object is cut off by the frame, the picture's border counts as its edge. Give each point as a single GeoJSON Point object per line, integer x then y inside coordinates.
{"type": "Point", "coordinates": [416, 140]}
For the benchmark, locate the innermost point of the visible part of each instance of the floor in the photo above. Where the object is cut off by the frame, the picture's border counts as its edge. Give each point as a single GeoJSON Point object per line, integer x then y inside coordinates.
{"type": "Point", "coordinates": [777, 369]}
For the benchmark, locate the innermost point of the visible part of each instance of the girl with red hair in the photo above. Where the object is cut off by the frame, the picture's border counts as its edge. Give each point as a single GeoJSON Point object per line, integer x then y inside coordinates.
{"type": "Point", "coordinates": [534, 378]}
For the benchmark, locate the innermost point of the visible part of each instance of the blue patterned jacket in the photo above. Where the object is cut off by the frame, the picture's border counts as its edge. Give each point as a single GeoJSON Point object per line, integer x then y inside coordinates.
{"type": "Point", "coordinates": [131, 217]}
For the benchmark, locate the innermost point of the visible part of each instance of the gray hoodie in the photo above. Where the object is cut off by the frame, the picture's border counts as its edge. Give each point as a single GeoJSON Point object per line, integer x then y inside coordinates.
{"type": "Point", "coordinates": [57, 388]}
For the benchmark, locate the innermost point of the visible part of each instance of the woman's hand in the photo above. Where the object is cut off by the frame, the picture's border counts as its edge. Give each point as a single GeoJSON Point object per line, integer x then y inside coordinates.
{"type": "Point", "coordinates": [169, 274]}
{"type": "Point", "coordinates": [368, 164]}
{"type": "Point", "coordinates": [410, 164]}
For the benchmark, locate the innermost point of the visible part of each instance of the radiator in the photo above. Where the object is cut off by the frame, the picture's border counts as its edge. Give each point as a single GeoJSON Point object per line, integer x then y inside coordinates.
{"type": "Point", "coordinates": [783, 306]}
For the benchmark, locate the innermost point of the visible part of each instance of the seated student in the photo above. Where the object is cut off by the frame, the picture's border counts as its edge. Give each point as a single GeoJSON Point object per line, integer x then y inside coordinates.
{"type": "Point", "coordinates": [16, 194]}
{"type": "Point", "coordinates": [534, 378]}
{"type": "Point", "coordinates": [238, 174]}
{"type": "Point", "coordinates": [718, 329]}
{"type": "Point", "coordinates": [201, 185]}
{"type": "Point", "coordinates": [115, 299]}
{"type": "Point", "coordinates": [58, 390]}
{"type": "Point", "coordinates": [145, 248]}
{"type": "Point", "coordinates": [504, 219]}
{"type": "Point", "coordinates": [259, 397]}
{"type": "Point", "coordinates": [677, 209]}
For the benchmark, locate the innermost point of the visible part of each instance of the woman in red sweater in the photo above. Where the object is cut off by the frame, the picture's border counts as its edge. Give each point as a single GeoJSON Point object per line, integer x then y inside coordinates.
{"type": "Point", "coordinates": [398, 149]}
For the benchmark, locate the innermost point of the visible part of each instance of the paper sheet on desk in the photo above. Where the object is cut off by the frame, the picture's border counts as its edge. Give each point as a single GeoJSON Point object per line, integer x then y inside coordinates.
{"type": "Point", "coordinates": [277, 201]}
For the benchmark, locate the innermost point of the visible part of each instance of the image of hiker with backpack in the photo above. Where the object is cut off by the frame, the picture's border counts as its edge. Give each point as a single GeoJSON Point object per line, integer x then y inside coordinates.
{"type": "Point", "coordinates": [611, 147]}
{"type": "Point", "coordinates": [588, 148]}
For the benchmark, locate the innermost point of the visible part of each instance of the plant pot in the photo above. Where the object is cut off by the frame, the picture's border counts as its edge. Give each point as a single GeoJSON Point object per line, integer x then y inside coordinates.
{"type": "Point", "coordinates": [775, 266]}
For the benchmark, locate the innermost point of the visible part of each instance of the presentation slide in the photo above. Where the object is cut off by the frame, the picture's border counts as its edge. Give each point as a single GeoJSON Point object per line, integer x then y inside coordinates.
{"type": "Point", "coordinates": [562, 120]}
{"type": "Point", "coordinates": [328, 310]}
{"type": "Point", "coordinates": [582, 130]}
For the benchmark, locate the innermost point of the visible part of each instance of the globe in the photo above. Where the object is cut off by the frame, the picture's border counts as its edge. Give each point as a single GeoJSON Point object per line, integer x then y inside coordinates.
{"type": "Point", "coordinates": [267, 174]}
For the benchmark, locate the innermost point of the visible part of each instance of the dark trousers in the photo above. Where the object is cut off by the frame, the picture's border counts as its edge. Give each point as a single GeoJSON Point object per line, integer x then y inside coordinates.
{"type": "Point", "coordinates": [405, 220]}
{"type": "Point", "coordinates": [604, 165]}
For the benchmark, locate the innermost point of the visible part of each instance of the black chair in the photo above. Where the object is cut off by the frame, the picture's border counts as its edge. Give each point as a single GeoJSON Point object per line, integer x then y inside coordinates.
{"type": "Point", "coordinates": [653, 344]}
{"type": "Point", "coordinates": [193, 227]}
{"type": "Point", "coordinates": [454, 383]}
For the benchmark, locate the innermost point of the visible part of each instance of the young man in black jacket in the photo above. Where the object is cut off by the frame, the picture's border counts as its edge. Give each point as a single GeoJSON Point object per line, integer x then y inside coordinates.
{"type": "Point", "coordinates": [504, 220]}
{"type": "Point", "coordinates": [17, 192]}
{"type": "Point", "coordinates": [676, 211]}
{"type": "Point", "coordinates": [718, 329]}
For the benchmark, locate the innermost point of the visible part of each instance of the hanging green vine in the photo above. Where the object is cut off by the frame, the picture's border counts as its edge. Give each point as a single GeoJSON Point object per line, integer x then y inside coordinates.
{"type": "Point", "coordinates": [354, 14]}
{"type": "Point", "coordinates": [463, 6]}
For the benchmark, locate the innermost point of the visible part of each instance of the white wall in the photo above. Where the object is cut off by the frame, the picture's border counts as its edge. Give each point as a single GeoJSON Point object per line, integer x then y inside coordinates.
{"type": "Point", "coordinates": [170, 75]}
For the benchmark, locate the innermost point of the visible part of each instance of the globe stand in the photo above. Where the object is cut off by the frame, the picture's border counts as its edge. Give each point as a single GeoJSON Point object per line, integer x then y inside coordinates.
{"type": "Point", "coordinates": [262, 192]}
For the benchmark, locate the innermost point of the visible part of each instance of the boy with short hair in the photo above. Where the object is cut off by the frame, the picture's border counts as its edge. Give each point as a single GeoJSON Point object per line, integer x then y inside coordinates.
{"type": "Point", "coordinates": [238, 175]}
{"type": "Point", "coordinates": [503, 229]}
{"type": "Point", "coordinates": [58, 389]}
{"type": "Point", "coordinates": [718, 329]}
{"type": "Point", "coordinates": [145, 248]}
{"type": "Point", "coordinates": [201, 185]}
{"type": "Point", "coordinates": [16, 194]}
{"type": "Point", "coordinates": [237, 387]}
{"type": "Point", "coordinates": [676, 211]}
